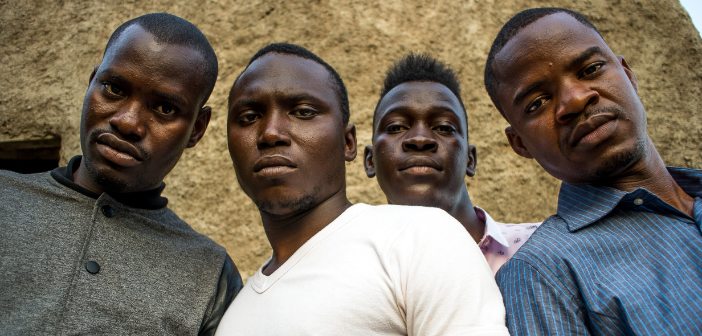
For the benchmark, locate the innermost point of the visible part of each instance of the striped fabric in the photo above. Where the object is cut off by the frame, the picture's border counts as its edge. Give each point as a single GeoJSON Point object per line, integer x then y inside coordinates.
{"type": "Point", "coordinates": [610, 263]}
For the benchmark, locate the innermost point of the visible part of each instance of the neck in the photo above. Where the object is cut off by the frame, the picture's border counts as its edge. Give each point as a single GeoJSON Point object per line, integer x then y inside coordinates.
{"type": "Point", "coordinates": [288, 232]}
{"type": "Point", "coordinates": [650, 173]}
{"type": "Point", "coordinates": [83, 178]}
{"type": "Point", "coordinates": [464, 212]}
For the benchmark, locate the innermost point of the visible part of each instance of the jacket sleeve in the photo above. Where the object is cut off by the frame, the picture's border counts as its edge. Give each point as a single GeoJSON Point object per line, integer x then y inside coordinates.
{"type": "Point", "coordinates": [228, 287]}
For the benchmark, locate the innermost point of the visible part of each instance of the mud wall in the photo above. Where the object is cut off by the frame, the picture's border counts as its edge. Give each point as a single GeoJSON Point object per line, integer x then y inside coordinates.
{"type": "Point", "coordinates": [49, 48]}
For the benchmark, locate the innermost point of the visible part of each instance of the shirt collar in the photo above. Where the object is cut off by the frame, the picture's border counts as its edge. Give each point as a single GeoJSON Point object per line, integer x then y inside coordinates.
{"type": "Point", "coordinates": [149, 199]}
{"type": "Point", "coordinates": [492, 228]}
{"type": "Point", "coordinates": [583, 204]}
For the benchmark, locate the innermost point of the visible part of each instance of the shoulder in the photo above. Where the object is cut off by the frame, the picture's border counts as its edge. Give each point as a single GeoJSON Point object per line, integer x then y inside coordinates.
{"type": "Point", "coordinates": [13, 179]}
{"type": "Point", "coordinates": [36, 186]}
{"type": "Point", "coordinates": [396, 228]}
{"type": "Point", "coordinates": [546, 255]}
{"type": "Point", "coordinates": [176, 232]}
{"type": "Point", "coordinates": [415, 217]}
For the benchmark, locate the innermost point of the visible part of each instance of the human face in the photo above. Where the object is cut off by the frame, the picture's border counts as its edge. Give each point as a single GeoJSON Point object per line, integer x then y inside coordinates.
{"type": "Point", "coordinates": [571, 103]}
{"type": "Point", "coordinates": [287, 138]}
{"type": "Point", "coordinates": [141, 110]}
{"type": "Point", "coordinates": [420, 151]}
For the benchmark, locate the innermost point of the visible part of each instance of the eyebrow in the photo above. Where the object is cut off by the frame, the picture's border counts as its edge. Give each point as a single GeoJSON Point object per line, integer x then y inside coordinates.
{"type": "Point", "coordinates": [171, 98]}
{"type": "Point", "coordinates": [286, 99]}
{"type": "Point", "coordinates": [112, 76]}
{"type": "Point", "coordinates": [584, 56]}
{"type": "Point", "coordinates": [244, 102]}
{"type": "Point", "coordinates": [523, 93]}
{"type": "Point", "coordinates": [301, 96]}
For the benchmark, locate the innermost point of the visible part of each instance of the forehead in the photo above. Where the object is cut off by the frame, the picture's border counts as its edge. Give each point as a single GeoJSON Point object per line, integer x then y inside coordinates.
{"type": "Point", "coordinates": [541, 51]}
{"type": "Point", "coordinates": [420, 97]}
{"type": "Point", "coordinates": [137, 52]}
{"type": "Point", "coordinates": [550, 40]}
{"type": "Point", "coordinates": [285, 75]}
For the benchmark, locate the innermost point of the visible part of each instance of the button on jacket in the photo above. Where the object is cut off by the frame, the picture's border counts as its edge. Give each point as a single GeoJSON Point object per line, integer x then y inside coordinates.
{"type": "Point", "coordinates": [76, 263]}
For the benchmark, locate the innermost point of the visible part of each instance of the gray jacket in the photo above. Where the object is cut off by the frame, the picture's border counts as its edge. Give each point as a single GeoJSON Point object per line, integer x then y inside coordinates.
{"type": "Point", "coordinates": [72, 264]}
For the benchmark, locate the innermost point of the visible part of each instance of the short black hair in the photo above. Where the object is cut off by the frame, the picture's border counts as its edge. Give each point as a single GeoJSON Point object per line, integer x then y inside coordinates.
{"type": "Point", "coordinates": [171, 29]}
{"type": "Point", "coordinates": [510, 29]}
{"type": "Point", "coordinates": [297, 50]}
{"type": "Point", "coordinates": [415, 67]}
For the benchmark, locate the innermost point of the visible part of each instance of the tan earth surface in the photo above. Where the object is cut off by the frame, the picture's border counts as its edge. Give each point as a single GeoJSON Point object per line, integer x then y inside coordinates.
{"type": "Point", "coordinates": [49, 48]}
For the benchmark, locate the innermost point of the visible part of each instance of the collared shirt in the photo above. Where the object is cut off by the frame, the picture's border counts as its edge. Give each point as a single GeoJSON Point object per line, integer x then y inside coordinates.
{"type": "Point", "coordinates": [502, 240]}
{"type": "Point", "coordinates": [610, 262]}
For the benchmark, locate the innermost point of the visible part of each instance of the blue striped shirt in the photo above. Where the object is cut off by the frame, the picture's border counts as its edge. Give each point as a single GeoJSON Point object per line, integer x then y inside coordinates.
{"type": "Point", "coordinates": [610, 263]}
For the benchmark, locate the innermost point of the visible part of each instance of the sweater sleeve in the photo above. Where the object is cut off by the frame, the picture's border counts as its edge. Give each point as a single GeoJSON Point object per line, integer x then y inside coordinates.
{"type": "Point", "coordinates": [228, 287]}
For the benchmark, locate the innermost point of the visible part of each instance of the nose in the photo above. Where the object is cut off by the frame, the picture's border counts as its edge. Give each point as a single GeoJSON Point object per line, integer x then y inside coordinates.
{"type": "Point", "coordinates": [419, 139]}
{"type": "Point", "coordinates": [274, 130]}
{"type": "Point", "coordinates": [575, 97]}
{"type": "Point", "coordinates": [128, 121]}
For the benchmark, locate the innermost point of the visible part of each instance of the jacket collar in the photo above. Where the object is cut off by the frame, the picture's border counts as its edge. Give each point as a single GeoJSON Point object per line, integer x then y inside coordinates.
{"type": "Point", "coordinates": [149, 199]}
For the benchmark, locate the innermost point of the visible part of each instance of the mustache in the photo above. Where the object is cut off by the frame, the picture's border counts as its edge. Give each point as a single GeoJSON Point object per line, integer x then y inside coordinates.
{"type": "Point", "coordinates": [614, 110]}
{"type": "Point", "coordinates": [95, 134]}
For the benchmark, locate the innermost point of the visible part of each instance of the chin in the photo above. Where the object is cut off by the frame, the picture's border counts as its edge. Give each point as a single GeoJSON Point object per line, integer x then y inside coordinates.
{"type": "Point", "coordinates": [620, 161]}
{"type": "Point", "coordinates": [288, 206]}
{"type": "Point", "coordinates": [106, 178]}
{"type": "Point", "coordinates": [111, 183]}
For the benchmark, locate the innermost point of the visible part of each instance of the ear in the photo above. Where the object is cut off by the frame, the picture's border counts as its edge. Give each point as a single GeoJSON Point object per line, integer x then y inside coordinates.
{"type": "Point", "coordinates": [92, 74]}
{"type": "Point", "coordinates": [368, 161]}
{"type": "Point", "coordinates": [472, 160]}
{"type": "Point", "coordinates": [629, 73]}
{"type": "Point", "coordinates": [516, 142]}
{"type": "Point", "coordinates": [350, 142]}
{"type": "Point", "coordinates": [201, 122]}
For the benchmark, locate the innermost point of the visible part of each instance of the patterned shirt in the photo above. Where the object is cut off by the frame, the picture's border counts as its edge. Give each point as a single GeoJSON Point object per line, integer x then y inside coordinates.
{"type": "Point", "coordinates": [610, 262]}
{"type": "Point", "coordinates": [502, 240]}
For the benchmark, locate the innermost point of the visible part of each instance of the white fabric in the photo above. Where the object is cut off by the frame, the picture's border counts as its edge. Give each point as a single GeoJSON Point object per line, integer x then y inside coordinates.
{"type": "Point", "coordinates": [375, 270]}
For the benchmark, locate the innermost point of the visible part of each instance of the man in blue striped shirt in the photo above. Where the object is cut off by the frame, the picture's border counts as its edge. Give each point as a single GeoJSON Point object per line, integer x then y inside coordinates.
{"type": "Point", "coordinates": [623, 254]}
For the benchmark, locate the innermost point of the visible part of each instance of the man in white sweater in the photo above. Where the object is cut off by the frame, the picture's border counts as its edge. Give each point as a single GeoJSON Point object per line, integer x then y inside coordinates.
{"type": "Point", "coordinates": [339, 268]}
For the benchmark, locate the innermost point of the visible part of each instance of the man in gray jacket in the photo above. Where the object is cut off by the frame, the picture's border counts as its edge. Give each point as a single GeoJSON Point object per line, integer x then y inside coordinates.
{"type": "Point", "coordinates": [92, 248]}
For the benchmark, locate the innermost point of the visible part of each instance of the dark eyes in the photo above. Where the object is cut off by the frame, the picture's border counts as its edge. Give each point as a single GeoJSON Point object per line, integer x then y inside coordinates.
{"type": "Point", "coordinates": [590, 69]}
{"type": "Point", "coordinates": [112, 89]}
{"type": "Point", "coordinates": [248, 117]}
{"type": "Point", "coordinates": [165, 109]}
{"type": "Point", "coordinates": [536, 104]}
{"type": "Point", "coordinates": [395, 128]}
{"type": "Point", "coordinates": [443, 129]}
{"type": "Point", "coordinates": [304, 113]}
{"type": "Point", "coordinates": [115, 91]}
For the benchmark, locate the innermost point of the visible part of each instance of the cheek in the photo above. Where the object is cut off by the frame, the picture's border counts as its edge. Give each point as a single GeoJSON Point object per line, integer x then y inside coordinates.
{"type": "Point", "coordinates": [385, 156]}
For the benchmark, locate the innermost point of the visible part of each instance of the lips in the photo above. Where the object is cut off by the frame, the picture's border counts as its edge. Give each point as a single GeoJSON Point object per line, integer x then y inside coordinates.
{"type": "Point", "coordinates": [273, 163]}
{"type": "Point", "coordinates": [589, 126]}
{"type": "Point", "coordinates": [419, 162]}
{"type": "Point", "coordinates": [117, 150]}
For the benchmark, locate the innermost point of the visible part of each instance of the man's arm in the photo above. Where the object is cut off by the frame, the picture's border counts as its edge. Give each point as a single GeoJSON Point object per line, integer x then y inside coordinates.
{"type": "Point", "coordinates": [537, 303]}
{"type": "Point", "coordinates": [228, 286]}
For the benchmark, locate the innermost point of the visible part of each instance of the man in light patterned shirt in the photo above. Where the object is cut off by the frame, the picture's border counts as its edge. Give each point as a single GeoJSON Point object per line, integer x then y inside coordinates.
{"type": "Point", "coordinates": [421, 152]}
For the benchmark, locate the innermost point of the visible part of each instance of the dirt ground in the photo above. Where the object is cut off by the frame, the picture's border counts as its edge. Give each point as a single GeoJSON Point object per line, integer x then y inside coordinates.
{"type": "Point", "coordinates": [50, 47]}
